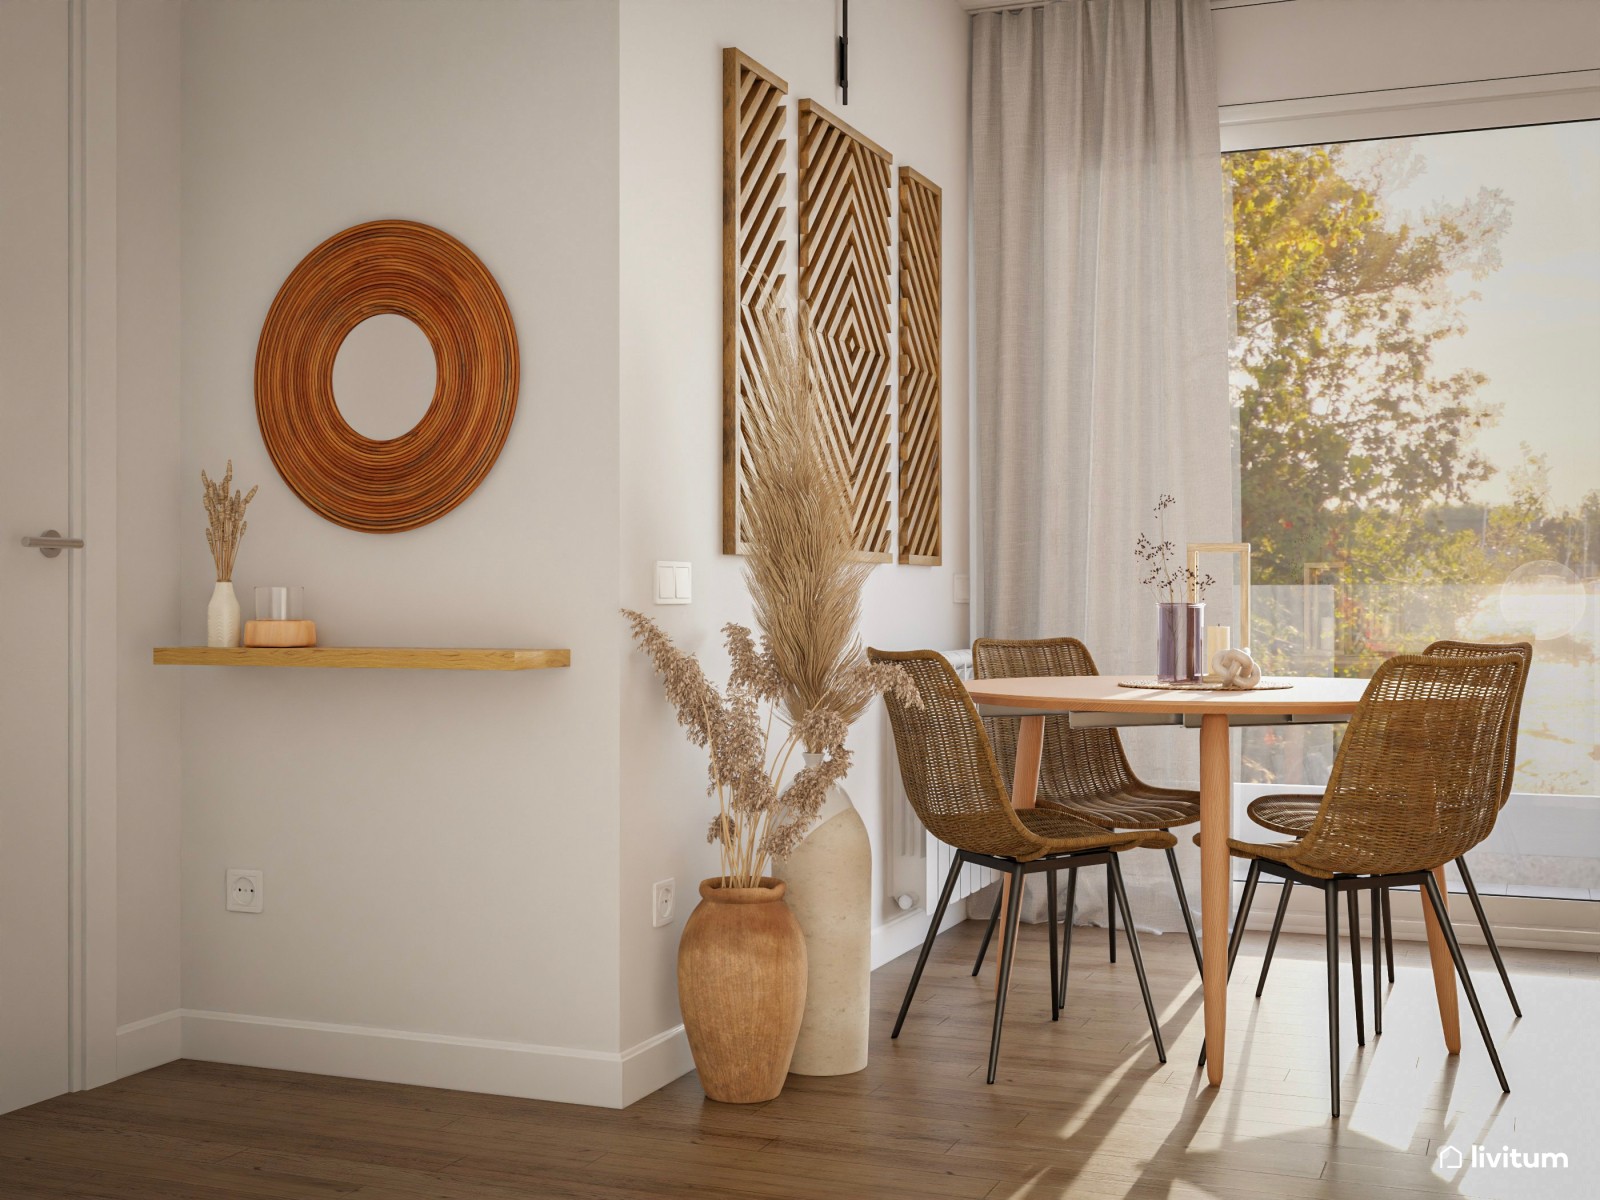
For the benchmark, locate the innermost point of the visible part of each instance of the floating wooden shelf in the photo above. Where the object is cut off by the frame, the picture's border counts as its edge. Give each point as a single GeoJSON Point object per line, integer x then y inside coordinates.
{"type": "Point", "coordinates": [369, 657]}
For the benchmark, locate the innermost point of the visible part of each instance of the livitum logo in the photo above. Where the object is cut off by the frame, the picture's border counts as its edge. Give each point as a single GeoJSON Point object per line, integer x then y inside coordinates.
{"type": "Point", "coordinates": [1452, 1159]}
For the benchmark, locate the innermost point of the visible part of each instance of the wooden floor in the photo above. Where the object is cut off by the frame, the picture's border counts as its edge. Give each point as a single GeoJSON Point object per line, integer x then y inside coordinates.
{"type": "Point", "coordinates": [1081, 1107]}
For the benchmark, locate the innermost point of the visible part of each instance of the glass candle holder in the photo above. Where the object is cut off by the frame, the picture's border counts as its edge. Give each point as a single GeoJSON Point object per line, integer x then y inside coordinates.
{"type": "Point", "coordinates": [280, 603]}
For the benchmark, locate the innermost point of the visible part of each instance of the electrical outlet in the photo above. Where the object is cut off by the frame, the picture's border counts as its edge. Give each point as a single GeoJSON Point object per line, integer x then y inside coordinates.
{"type": "Point", "coordinates": [661, 902]}
{"type": "Point", "coordinates": [244, 891]}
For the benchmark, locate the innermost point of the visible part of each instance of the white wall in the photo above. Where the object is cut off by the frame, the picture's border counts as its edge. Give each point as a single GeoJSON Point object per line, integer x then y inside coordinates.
{"type": "Point", "coordinates": [1329, 47]}
{"type": "Point", "coordinates": [438, 847]}
{"type": "Point", "coordinates": [457, 868]}
{"type": "Point", "coordinates": [151, 486]}
{"type": "Point", "coordinates": [908, 68]}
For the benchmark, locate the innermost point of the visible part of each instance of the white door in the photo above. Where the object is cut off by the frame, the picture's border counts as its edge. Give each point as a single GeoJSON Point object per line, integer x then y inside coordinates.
{"type": "Point", "coordinates": [33, 589]}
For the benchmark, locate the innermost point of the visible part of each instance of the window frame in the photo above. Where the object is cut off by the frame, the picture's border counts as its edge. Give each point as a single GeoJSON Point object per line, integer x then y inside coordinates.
{"type": "Point", "coordinates": [1554, 98]}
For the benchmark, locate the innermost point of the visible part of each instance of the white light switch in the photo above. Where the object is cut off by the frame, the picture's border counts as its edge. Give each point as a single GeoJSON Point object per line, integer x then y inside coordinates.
{"type": "Point", "coordinates": [962, 589]}
{"type": "Point", "coordinates": [673, 583]}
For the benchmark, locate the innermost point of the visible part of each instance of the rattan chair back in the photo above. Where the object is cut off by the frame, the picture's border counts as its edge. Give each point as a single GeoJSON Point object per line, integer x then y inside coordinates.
{"type": "Point", "coordinates": [949, 769]}
{"type": "Point", "coordinates": [1524, 651]}
{"type": "Point", "coordinates": [1418, 776]}
{"type": "Point", "coordinates": [1080, 765]}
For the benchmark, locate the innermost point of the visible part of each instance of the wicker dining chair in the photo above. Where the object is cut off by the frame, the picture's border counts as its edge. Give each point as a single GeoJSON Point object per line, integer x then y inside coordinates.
{"type": "Point", "coordinates": [1293, 815]}
{"type": "Point", "coordinates": [1081, 771]}
{"type": "Point", "coordinates": [1417, 782]}
{"type": "Point", "coordinates": [956, 789]}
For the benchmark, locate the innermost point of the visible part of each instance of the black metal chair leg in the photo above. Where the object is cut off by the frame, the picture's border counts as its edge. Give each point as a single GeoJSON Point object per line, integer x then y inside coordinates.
{"type": "Point", "coordinates": [1331, 916]}
{"type": "Point", "coordinates": [1066, 933]}
{"type": "Point", "coordinates": [1183, 905]}
{"type": "Point", "coordinates": [994, 919]}
{"type": "Point", "coordinates": [1443, 920]}
{"type": "Point", "coordinates": [1355, 965]}
{"type": "Point", "coordinates": [927, 942]}
{"type": "Point", "coordinates": [1111, 913]}
{"type": "Point", "coordinates": [1377, 963]}
{"type": "Point", "coordinates": [1237, 936]}
{"type": "Point", "coordinates": [1138, 960]}
{"type": "Point", "coordinates": [1488, 934]}
{"type": "Point", "coordinates": [1277, 927]}
{"type": "Point", "coordinates": [1388, 934]}
{"type": "Point", "coordinates": [1013, 914]}
{"type": "Point", "coordinates": [1055, 977]}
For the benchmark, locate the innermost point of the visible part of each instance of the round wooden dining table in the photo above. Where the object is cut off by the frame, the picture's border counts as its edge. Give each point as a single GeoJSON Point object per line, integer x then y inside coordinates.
{"type": "Point", "coordinates": [1102, 700]}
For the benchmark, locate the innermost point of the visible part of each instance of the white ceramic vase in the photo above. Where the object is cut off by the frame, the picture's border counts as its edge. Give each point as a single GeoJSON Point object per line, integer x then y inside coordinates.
{"type": "Point", "coordinates": [829, 880]}
{"type": "Point", "coordinates": [222, 616]}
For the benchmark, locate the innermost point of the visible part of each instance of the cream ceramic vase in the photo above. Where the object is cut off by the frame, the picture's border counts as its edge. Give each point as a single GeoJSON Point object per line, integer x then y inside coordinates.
{"type": "Point", "coordinates": [222, 616]}
{"type": "Point", "coordinates": [829, 879]}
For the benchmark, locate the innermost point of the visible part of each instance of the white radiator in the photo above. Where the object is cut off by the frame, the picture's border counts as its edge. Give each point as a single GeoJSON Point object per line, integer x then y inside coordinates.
{"type": "Point", "coordinates": [918, 861]}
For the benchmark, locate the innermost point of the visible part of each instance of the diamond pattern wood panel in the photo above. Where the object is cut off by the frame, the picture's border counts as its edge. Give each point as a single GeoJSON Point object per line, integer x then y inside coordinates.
{"type": "Point", "coordinates": [754, 244]}
{"type": "Point", "coordinates": [920, 423]}
{"type": "Point", "coordinates": [844, 281]}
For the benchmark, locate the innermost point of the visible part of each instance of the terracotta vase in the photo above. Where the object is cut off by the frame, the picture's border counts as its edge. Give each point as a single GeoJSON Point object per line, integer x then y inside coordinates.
{"type": "Point", "coordinates": [742, 989]}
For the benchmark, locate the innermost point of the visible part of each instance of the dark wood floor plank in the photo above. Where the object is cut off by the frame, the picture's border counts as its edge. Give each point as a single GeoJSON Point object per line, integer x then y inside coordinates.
{"type": "Point", "coordinates": [1081, 1106]}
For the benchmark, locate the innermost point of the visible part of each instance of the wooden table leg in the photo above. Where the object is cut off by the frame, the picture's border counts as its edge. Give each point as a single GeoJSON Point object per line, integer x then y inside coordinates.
{"type": "Point", "coordinates": [1444, 968]}
{"type": "Point", "coordinates": [1024, 792]}
{"type": "Point", "coordinates": [1216, 814]}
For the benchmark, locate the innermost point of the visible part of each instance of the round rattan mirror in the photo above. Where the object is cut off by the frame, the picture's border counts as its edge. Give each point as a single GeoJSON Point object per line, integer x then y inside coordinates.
{"type": "Point", "coordinates": [400, 482]}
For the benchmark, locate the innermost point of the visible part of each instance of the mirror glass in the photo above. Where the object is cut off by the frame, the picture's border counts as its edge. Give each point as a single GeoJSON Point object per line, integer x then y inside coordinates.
{"type": "Point", "coordinates": [384, 376]}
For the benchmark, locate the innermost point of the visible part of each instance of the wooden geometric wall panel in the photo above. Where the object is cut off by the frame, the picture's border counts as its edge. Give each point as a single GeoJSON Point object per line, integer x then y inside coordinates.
{"type": "Point", "coordinates": [754, 244]}
{"type": "Point", "coordinates": [919, 369]}
{"type": "Point", "coordinates": [844, 281]}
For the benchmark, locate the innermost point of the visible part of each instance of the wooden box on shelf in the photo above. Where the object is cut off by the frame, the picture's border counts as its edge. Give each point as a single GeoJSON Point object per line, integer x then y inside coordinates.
{"type": "Point", "coordinates": [280, 633]}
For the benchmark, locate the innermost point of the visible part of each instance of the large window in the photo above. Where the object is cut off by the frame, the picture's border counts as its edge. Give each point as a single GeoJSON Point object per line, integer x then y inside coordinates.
{"type": "Point", "coordinates": [1417, 382]}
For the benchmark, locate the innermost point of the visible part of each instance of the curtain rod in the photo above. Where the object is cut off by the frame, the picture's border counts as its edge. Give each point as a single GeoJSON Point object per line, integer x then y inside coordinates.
{"type": "Point", "coordinates": [1004, 5]}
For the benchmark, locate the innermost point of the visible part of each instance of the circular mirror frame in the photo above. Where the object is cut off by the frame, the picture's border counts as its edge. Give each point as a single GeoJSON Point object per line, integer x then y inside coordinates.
{"type": "Point", "coordinates": [427, 276]}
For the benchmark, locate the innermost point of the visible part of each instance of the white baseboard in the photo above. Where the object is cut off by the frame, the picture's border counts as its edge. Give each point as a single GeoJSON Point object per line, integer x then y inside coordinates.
{"type": "Point", "coordinates": [654, 1063]}
{"type": "Point", "coordinates": [906, 931]}
{"type": "Point", "coordinates": [606, 1079]}
{"type": "Point", "coordinates": [142, 1045]}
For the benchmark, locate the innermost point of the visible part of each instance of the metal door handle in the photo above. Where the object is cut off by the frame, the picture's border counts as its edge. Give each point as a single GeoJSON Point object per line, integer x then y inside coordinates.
{"type": "Point", "coordinates": [50, 543]}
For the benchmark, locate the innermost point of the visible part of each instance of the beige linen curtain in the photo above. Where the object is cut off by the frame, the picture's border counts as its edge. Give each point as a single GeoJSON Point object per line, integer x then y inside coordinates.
{"type": "Point", "coordinates": [1102, 325]}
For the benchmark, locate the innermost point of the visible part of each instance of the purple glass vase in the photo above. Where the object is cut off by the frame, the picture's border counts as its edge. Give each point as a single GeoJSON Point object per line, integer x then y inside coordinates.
{"type": "Point", "coordinates": [1180, 642]}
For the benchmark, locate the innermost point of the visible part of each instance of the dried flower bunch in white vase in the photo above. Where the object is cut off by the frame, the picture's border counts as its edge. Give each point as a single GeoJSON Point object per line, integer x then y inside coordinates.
{"type": "Point", "coordinates": [225, 526]}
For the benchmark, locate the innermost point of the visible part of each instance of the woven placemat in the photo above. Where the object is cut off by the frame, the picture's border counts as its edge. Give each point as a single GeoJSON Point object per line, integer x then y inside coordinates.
{"type": "Point", "coordinates": [1158, 686]}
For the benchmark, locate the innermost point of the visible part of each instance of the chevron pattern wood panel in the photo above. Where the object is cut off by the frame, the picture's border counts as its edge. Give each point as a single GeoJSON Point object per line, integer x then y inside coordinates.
{"type": "Point", "coordinates": [920, 322]}
{"type": "Point", "coordinates": [754, 245]}
{"type": "Point", "coordinates": [845, 179]}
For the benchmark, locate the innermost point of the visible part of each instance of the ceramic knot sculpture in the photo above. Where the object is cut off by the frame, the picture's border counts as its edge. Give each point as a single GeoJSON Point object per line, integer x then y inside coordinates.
{"type": "Point", "coordinates": [1236, 669]}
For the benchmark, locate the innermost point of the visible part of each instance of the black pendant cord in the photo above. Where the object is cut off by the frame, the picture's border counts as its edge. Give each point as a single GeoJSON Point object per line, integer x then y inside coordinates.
{"type": "Point", "coordinates": [844, 55]}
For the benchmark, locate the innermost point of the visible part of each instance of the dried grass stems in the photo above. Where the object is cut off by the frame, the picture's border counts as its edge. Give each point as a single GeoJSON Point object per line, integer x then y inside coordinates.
{"type": "Point", "coordinates": [809, 680]}
{"type": "Point", "coordinates": [225, 523]}
{"type": "Point", "coordinates": [750, 744]}
{"type": "Point", "coordinates": [1170, 582]}
{"type": "Point", "coordinates": [801, 565]}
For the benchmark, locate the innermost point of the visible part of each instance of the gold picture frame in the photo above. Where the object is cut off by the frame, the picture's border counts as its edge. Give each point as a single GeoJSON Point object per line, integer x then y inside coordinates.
{"type": "Point", "coordinates": [1242, 551]}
